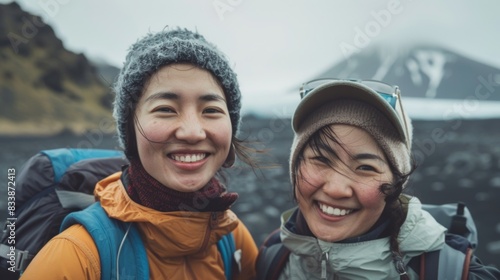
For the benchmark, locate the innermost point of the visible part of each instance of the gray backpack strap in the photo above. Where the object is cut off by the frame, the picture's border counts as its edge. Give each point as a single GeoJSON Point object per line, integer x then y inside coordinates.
{"type": "Point", "coordinates": [447, 263]}
{"type": "Point", "coordinates": [457, 218]}
{"type": "Point", "coordinates": [17, 259]}
{"type": "Point", "coordinates": [273, 257]}
{"type": "Point", "coordinates": [74, 200]}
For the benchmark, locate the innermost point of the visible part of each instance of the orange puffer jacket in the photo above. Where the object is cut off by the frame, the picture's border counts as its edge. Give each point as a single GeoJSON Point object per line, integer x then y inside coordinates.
{"type": "Point", "coordinates": [179, 245]}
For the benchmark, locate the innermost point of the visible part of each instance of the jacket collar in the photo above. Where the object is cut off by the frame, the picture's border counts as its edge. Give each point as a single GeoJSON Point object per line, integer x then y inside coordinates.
{"type": "Point", "coordinates": [419, 233]}
{"type": "Point", "coordinates": [296, 223]}
{"type": "Point", "coordinates": [171, 234]}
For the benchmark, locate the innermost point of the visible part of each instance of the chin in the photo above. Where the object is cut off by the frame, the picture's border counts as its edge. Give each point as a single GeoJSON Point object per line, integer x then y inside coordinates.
{"type": "Point", "coordinates": [324, 234]}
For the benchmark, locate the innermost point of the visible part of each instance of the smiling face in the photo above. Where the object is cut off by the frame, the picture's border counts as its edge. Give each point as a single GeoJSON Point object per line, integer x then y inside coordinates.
{"type": "Point", "coordinates": [338, 190]}
{"type": "Point", "coordinates": [182, 127]}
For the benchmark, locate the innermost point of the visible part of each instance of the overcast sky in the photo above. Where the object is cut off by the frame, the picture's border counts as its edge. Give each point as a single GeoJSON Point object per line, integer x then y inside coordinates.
{"type": "Point", "coordinates": [275, 45]}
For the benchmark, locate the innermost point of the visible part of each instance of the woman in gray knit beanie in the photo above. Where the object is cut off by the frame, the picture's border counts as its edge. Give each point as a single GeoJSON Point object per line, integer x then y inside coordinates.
{"type": "Point", "coordinates": [177, 110]}
{"type": "Point", "coordinates": [154, 51]}
{"type": "Point", "coordinates": [350, 161]}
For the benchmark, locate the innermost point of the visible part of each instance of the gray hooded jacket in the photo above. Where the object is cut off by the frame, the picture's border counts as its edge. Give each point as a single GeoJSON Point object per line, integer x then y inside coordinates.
{"type": "Point", "coordinates": [312, 258]}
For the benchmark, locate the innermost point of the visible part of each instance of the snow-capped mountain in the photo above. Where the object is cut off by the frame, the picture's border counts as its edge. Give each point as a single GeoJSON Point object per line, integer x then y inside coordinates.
{"type": "Point", "coordinates": [423, 71]}
{"type": "Point", "coordinates": [435, 83]}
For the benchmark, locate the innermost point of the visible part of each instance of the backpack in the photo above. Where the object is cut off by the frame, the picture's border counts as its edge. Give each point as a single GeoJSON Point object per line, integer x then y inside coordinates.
{"type": "Point", "coordinates": [53, 186]}
{"type": "Point", "coordinates": [49, 186]}
{"type": "Point", "coordinates": [461, 239]}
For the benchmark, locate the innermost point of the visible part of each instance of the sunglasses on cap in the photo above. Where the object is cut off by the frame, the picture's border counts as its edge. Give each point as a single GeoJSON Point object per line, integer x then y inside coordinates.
{"type": "Point", "coordinates": [390, 93]}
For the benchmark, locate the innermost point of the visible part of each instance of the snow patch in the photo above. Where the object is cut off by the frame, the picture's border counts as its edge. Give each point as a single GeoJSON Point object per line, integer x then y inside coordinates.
{"type": "Point", "coordinates": [431, 63]}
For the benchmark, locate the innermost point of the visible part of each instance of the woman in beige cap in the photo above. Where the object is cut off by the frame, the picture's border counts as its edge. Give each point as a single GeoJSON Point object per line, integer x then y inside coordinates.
{"type": "Point", "coordinates": [350, 161]}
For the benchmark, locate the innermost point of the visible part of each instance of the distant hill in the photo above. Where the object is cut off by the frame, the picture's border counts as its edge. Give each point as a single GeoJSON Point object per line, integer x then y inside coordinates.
{"type": "Point", "coordinates": [424, 71]}
{"type": "Point", "coordinates": [44, 88]}
{"type": "Point", "coordinates": [108, 73]}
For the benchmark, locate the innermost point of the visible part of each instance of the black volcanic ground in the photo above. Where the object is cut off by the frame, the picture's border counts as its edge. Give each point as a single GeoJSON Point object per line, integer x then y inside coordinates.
{"type": "Point", "coordinates": [463, 165]}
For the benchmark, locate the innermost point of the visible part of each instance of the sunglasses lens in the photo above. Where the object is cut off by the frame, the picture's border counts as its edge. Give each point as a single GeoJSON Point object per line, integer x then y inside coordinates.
{"type": "Point", "coordinates": [307, 87]}
{"type": "Point", "coordinates": [379, 86]}
{"type": "Point", "coordinates": [384, 90]}
{"type": "Point", "coordinates": [391, 99]}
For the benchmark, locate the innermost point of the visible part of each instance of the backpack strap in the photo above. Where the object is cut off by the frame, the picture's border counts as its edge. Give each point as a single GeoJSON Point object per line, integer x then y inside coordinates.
{"type": "Point", "coordinates": [108, 234]}
{"type": "Point", "coordinates": [451, 262]}
{"type": "Point", "coordinates": [429, 265]}
{"type": "Point", "coordinates": [63, 158]}
{"type": "Point", "coordinates": [457, 218]}
{"type": "Point", "coordinates": [22, 257]}
{"type": "Point", "coordinates": [273, 261]}
{"type": "Point", "coordinates": [273, 256]}
{"type": "Point", "coordinates": [227, 248]}
{"type": "Point", "coordinates": [74, 200]}
{"type": "Point", "coordinates": [119, 243]}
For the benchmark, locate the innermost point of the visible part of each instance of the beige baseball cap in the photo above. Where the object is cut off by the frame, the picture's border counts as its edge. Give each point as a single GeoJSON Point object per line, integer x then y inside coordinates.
{"type": "Point", "coordinates": [384, 97]}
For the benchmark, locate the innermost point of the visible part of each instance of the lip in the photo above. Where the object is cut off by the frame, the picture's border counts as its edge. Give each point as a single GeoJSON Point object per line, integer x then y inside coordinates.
{"type": "Point", "coordinates": [329, 217]}
{"type": "Point", "coordinates": [189, 166]}
{"type": "Point", "coordinates": [187, 151]}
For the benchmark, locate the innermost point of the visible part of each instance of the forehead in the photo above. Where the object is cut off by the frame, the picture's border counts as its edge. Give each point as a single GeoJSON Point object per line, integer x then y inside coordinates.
{"type": "Point", "coordinates": [349, 139]}
{"type": "Point", "coordinates": [352, 135]}
{"type": "Point", "coordinates": [183, 70]}
{"type": "Point", "coordinates": [183, 78]}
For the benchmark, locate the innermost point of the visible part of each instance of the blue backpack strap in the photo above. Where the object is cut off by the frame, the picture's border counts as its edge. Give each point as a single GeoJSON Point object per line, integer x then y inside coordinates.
{"type": "Point", "coordinates": [227, 248]}
{"type": "Point", "coordinates": [108, 235]}
{"type": "Point", "coordinates": [63, 158]}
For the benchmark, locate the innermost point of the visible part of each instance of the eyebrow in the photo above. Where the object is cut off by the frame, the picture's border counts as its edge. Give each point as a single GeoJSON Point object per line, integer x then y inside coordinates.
{"type": "Point", "coordinates": [212, 97]}
{"type": "Point", "coordinates": [175, 96]}
{"type": "Point", "coordinates": [368, 156]}
{"type": "Point", "coordinates": [162, 95]}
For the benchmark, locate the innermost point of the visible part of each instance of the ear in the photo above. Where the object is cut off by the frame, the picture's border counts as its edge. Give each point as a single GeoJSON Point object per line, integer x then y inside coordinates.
{"type": "Point", "coordinates": [231, 157]}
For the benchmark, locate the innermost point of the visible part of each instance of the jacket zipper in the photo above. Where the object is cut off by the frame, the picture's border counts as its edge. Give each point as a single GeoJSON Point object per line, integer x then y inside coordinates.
{"type": "Point", "coordinates": [211, 221]}
{"type": "Point", "coordinates": [324, 260]}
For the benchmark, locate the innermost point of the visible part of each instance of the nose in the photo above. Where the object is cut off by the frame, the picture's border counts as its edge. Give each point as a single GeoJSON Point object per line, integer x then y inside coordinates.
{"type": "Point", "coordinates": [338, 184]}
{"type": "Point", "coordinates": [190, 129]}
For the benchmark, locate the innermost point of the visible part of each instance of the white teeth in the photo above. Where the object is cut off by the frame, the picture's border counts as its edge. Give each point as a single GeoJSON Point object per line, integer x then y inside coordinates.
{"type": "Point", "coordinates": [334, 211]}
{"type": "Point", "coordinates": [189, 158]}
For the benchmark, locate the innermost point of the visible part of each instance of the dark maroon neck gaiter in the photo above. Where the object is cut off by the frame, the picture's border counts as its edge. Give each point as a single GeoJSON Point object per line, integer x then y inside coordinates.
{"type": "Point", "coordinates": [147, 191]}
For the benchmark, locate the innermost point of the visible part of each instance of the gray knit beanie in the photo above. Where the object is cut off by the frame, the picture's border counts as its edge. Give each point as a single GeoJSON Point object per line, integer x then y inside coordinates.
{"type": "Point", "coordinates": [353, 104]}
{"type": "Point", "coordinates": [154, 51]}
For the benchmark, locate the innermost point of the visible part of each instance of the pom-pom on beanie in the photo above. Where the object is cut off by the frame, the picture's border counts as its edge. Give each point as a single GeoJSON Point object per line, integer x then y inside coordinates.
{"type": "Point", "coordinates": [154, 51]}
{"type": "Point", "coordinates": [351, 103]}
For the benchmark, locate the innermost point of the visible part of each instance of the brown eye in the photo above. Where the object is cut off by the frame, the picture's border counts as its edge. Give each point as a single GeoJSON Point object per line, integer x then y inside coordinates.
{"type": "Point", "coordinates": [368, 168]}
{"type": "Point", "coordinates": [320, 159]}
{"type": "Point", "coordinates": [212, 111]}
{"type": "Point", "coordinates": [164, 110]}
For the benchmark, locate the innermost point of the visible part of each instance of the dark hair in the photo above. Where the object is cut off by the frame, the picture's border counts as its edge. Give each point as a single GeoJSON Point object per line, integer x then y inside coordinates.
{"type": "Point", "coordinates": [395, 207]}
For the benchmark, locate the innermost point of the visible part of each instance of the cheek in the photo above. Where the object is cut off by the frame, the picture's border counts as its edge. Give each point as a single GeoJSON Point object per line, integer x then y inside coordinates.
{"type": "Point", "coordinates": [372, 198]}
{"type": "Point", "coordinates": [307, 182]}
{"type": "Point", "coordinates": [153, 131]}
{"type": "Point", "coordinates": [221, 134]}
